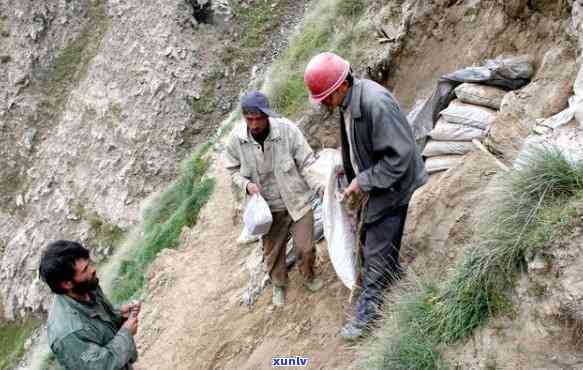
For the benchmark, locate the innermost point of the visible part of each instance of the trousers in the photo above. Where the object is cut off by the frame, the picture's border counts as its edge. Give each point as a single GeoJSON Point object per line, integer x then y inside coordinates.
{"type": "Point", "coordinates": [275, 243]}
{"type": "Point", "coordinates": [381, 242]}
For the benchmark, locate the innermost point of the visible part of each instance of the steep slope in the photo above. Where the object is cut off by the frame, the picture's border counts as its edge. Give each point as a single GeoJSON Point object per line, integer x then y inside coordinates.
{"type": "Point", "coordinates": [110, 109]}
{"type": "Point", "coordinates": [100, 101]}
{"type": "Point", "coordinates": [144, 89]}
{"type": "Point", "coordinates": [193, 317]}
{"type": "Point", "coordinates": [425, 41]}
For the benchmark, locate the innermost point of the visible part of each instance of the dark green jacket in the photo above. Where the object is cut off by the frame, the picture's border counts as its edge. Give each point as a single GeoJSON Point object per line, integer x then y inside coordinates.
{"type": "Point", "coordinates": [89, 336]}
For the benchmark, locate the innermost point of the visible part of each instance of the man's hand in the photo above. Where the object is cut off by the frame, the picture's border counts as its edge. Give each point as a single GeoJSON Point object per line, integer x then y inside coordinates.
{"type": "Point", "coordinates": [128, 308]}
{"type": "Point", "coordinates": [131, 323]}
{"type": "Point", "coordinates": [353, 188]}
{"type": "Point", "coordinates": [253, 188]}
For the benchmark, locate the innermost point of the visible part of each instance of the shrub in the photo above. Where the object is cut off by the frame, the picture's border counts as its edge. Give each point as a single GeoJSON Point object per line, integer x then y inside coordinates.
{"type": "Point", "coordinates": [529, 205]}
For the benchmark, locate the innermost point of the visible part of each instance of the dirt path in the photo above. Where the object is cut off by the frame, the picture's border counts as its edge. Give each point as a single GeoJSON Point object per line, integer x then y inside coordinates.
{"type": "Point", "coordinates": [192, 318]}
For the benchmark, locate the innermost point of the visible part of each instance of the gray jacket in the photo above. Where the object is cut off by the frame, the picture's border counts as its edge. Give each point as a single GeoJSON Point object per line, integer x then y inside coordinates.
{"type": "Point", "coordinates": [391, 167]}
{"type": "Point", "coordinates": [89, 336]}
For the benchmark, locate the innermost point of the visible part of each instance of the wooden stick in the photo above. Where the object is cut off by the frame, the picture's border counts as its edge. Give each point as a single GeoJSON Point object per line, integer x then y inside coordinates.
{"type": "Point", "coordinates": [483, 148]}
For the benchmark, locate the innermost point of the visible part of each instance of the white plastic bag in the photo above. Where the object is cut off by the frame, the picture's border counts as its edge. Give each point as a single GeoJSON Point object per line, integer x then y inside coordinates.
{"type": "Point", "coordinates": [445, 131]}
{"type": "Point", "coordinates": [340, 233]}
{"type": "Point", "coordinates": [435, 148]}
{"type": "Point", "coordinates": [257, 216]}
{"type": "Point", "coordinates": [468, 115]}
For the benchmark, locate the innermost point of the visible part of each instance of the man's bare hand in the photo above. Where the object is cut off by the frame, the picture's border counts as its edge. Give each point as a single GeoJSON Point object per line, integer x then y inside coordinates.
{"type": "Point", "coordinates": [253, 188]}
{"type": "Point", "coordinates": [353, 188]}
{"type": "Point", "coordinates": [126, 309]}
{"type": "Point", "coordinates": [131, 323]}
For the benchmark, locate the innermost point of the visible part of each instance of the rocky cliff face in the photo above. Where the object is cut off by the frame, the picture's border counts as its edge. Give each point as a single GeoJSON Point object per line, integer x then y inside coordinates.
{"type": "Point", "coordinates": [99, 102]}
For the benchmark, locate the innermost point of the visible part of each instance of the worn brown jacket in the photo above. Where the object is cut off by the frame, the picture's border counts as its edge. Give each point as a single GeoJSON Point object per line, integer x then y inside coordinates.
{"type": "Point", "coordinates": [292, 156]}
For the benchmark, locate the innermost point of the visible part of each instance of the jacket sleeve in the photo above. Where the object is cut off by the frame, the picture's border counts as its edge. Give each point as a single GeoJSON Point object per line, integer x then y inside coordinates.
{"type": "Point", "coordinates": [304, 157]}
{"type": "Point", "coordinates": [393, 144]}
{"type": "Point", "coordinates": [233, 164]}
{"type": "Point", "coordinates": [78, 350]}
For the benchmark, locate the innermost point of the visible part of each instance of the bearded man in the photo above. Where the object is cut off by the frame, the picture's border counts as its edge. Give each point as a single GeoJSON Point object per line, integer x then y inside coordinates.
{"type": "Point", "coordinates": [84, 330]}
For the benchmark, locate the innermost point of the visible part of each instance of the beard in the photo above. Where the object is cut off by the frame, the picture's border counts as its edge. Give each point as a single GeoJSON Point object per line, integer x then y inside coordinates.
{"type": "Point", "coordinates": [86, 286]}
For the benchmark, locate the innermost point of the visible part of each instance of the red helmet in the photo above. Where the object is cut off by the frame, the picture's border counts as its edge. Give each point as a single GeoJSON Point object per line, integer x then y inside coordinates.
{"type": "Point", "coordinates": [323, 75]}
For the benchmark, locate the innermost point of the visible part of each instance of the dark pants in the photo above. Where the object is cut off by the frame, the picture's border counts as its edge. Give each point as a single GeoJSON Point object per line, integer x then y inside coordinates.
{"type": "Point", "coordinates": [381, 244]}
{"type": "Point", "coordinates": [275, 243]}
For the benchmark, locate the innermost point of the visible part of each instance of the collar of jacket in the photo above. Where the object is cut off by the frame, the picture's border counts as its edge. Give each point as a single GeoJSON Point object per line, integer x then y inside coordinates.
{"type": "Point", "coordinates": [90, 308]}
{"type": "Point", "coordinates": [274, 130]}
{"type": "Point", "coordinates": [355, 94]}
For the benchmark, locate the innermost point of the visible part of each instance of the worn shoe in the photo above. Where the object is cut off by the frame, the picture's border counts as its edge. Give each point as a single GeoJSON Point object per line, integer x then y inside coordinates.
{"type": "Point", "coordinates": [278, 298]}
{"type": "Point", "coordinates": [352, 331]}
{"type": "Point", "coordinates": [314, 285]}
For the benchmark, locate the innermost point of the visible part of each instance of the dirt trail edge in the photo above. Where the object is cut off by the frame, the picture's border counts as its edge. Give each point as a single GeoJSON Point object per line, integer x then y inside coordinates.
{"type": "Point", "coordinates": [192, 319]}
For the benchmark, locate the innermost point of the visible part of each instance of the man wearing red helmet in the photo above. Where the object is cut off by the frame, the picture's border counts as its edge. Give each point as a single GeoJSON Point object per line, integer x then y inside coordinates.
{"type": "Point", "coordinates": [381, 160]}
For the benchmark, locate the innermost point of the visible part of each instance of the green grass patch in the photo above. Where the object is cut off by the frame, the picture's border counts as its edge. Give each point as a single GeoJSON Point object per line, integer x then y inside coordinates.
{"type": "Point", "coordinates": [163, 222]}
{"type": "Point", "coordinates": [164, 219]}
{"type": "Point", "coordinates": [330, 25]}
{"type": "Point", "coordinates": [257, 22]}
{"type": "Point", "coordinates": [68, 61]}
{"type": "Point", "coordinates": [529, 207]}
{"type": "Point", "coordinates": [351, 8]}
{"type": "Point", "coordinates": [13, 335]}
{"type": "Point", "coordinates": [412, 348]}
{"type": "Point", "coordinates": [72, 61]}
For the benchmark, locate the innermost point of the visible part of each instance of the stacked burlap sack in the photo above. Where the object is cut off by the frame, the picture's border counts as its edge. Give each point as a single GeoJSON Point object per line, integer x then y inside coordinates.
{"type": "Point", "coordinates": [466, 118]}
{"type": "Point", "coordinates": [462, 107]}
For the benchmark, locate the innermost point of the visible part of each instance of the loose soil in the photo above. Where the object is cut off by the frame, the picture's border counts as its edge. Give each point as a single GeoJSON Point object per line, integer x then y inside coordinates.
{"type": "Point", "coordinates": [192, 318]}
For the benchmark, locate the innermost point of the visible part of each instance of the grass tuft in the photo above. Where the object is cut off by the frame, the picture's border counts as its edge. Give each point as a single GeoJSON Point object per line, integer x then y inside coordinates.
{"type": "Point", "coordinates": [163, 221]}
{"type": "Point", "coordinates": [164, 218]}
{"type": "Point", "coordinates": [258, 22]}
{"type": "Point", "coordinates": [330, 25]}
{"type": "Point", "coordinates": [351, 8]}
{"type": "Point", "coordinates": [531, 205]}
{"type": "Point", "coordinates": [412, 348]}
{"type": "Point", "coordinates": [13, 336]}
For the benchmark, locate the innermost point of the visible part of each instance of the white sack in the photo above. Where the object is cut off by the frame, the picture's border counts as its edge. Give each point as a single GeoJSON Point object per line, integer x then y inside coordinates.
{"type": "Point", "coordinates": [567, 140]}
{"type": "Point", "coordinates": [340, 234]}
{"type": "Point", "coordinates": [578, 85]}
{"type": "Point", "coordinates": [468, 115]}
{"type": "Point", "coordinates": [486, 96]}
{"type": "Point", "coordinates": [319, 171]}
{"type": "Point", "coordinates": [445, 131]}
{"type": "Point", "coordinates": [442, 163]}
{"type": "Point", "coordinates": [435, 148]}
{"type": "Point", "coordinates": [257, 216]}
{"type": "Point", "coordinates": [565, 116]}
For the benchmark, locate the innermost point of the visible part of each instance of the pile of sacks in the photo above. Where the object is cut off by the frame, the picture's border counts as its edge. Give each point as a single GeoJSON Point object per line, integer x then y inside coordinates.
{"type": "Point", "coordinates": [468, 117]}
{"type": "Point", "coordinates": [462, 108]}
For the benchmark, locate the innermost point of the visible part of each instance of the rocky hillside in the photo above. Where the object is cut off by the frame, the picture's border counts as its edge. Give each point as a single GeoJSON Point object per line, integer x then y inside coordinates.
{"type": "Point", "coordinates": [407, 46]}
{"type": "Point", "coordinates": [99, 103]}
{"type": "Point", "coordinates": [101, 100]}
